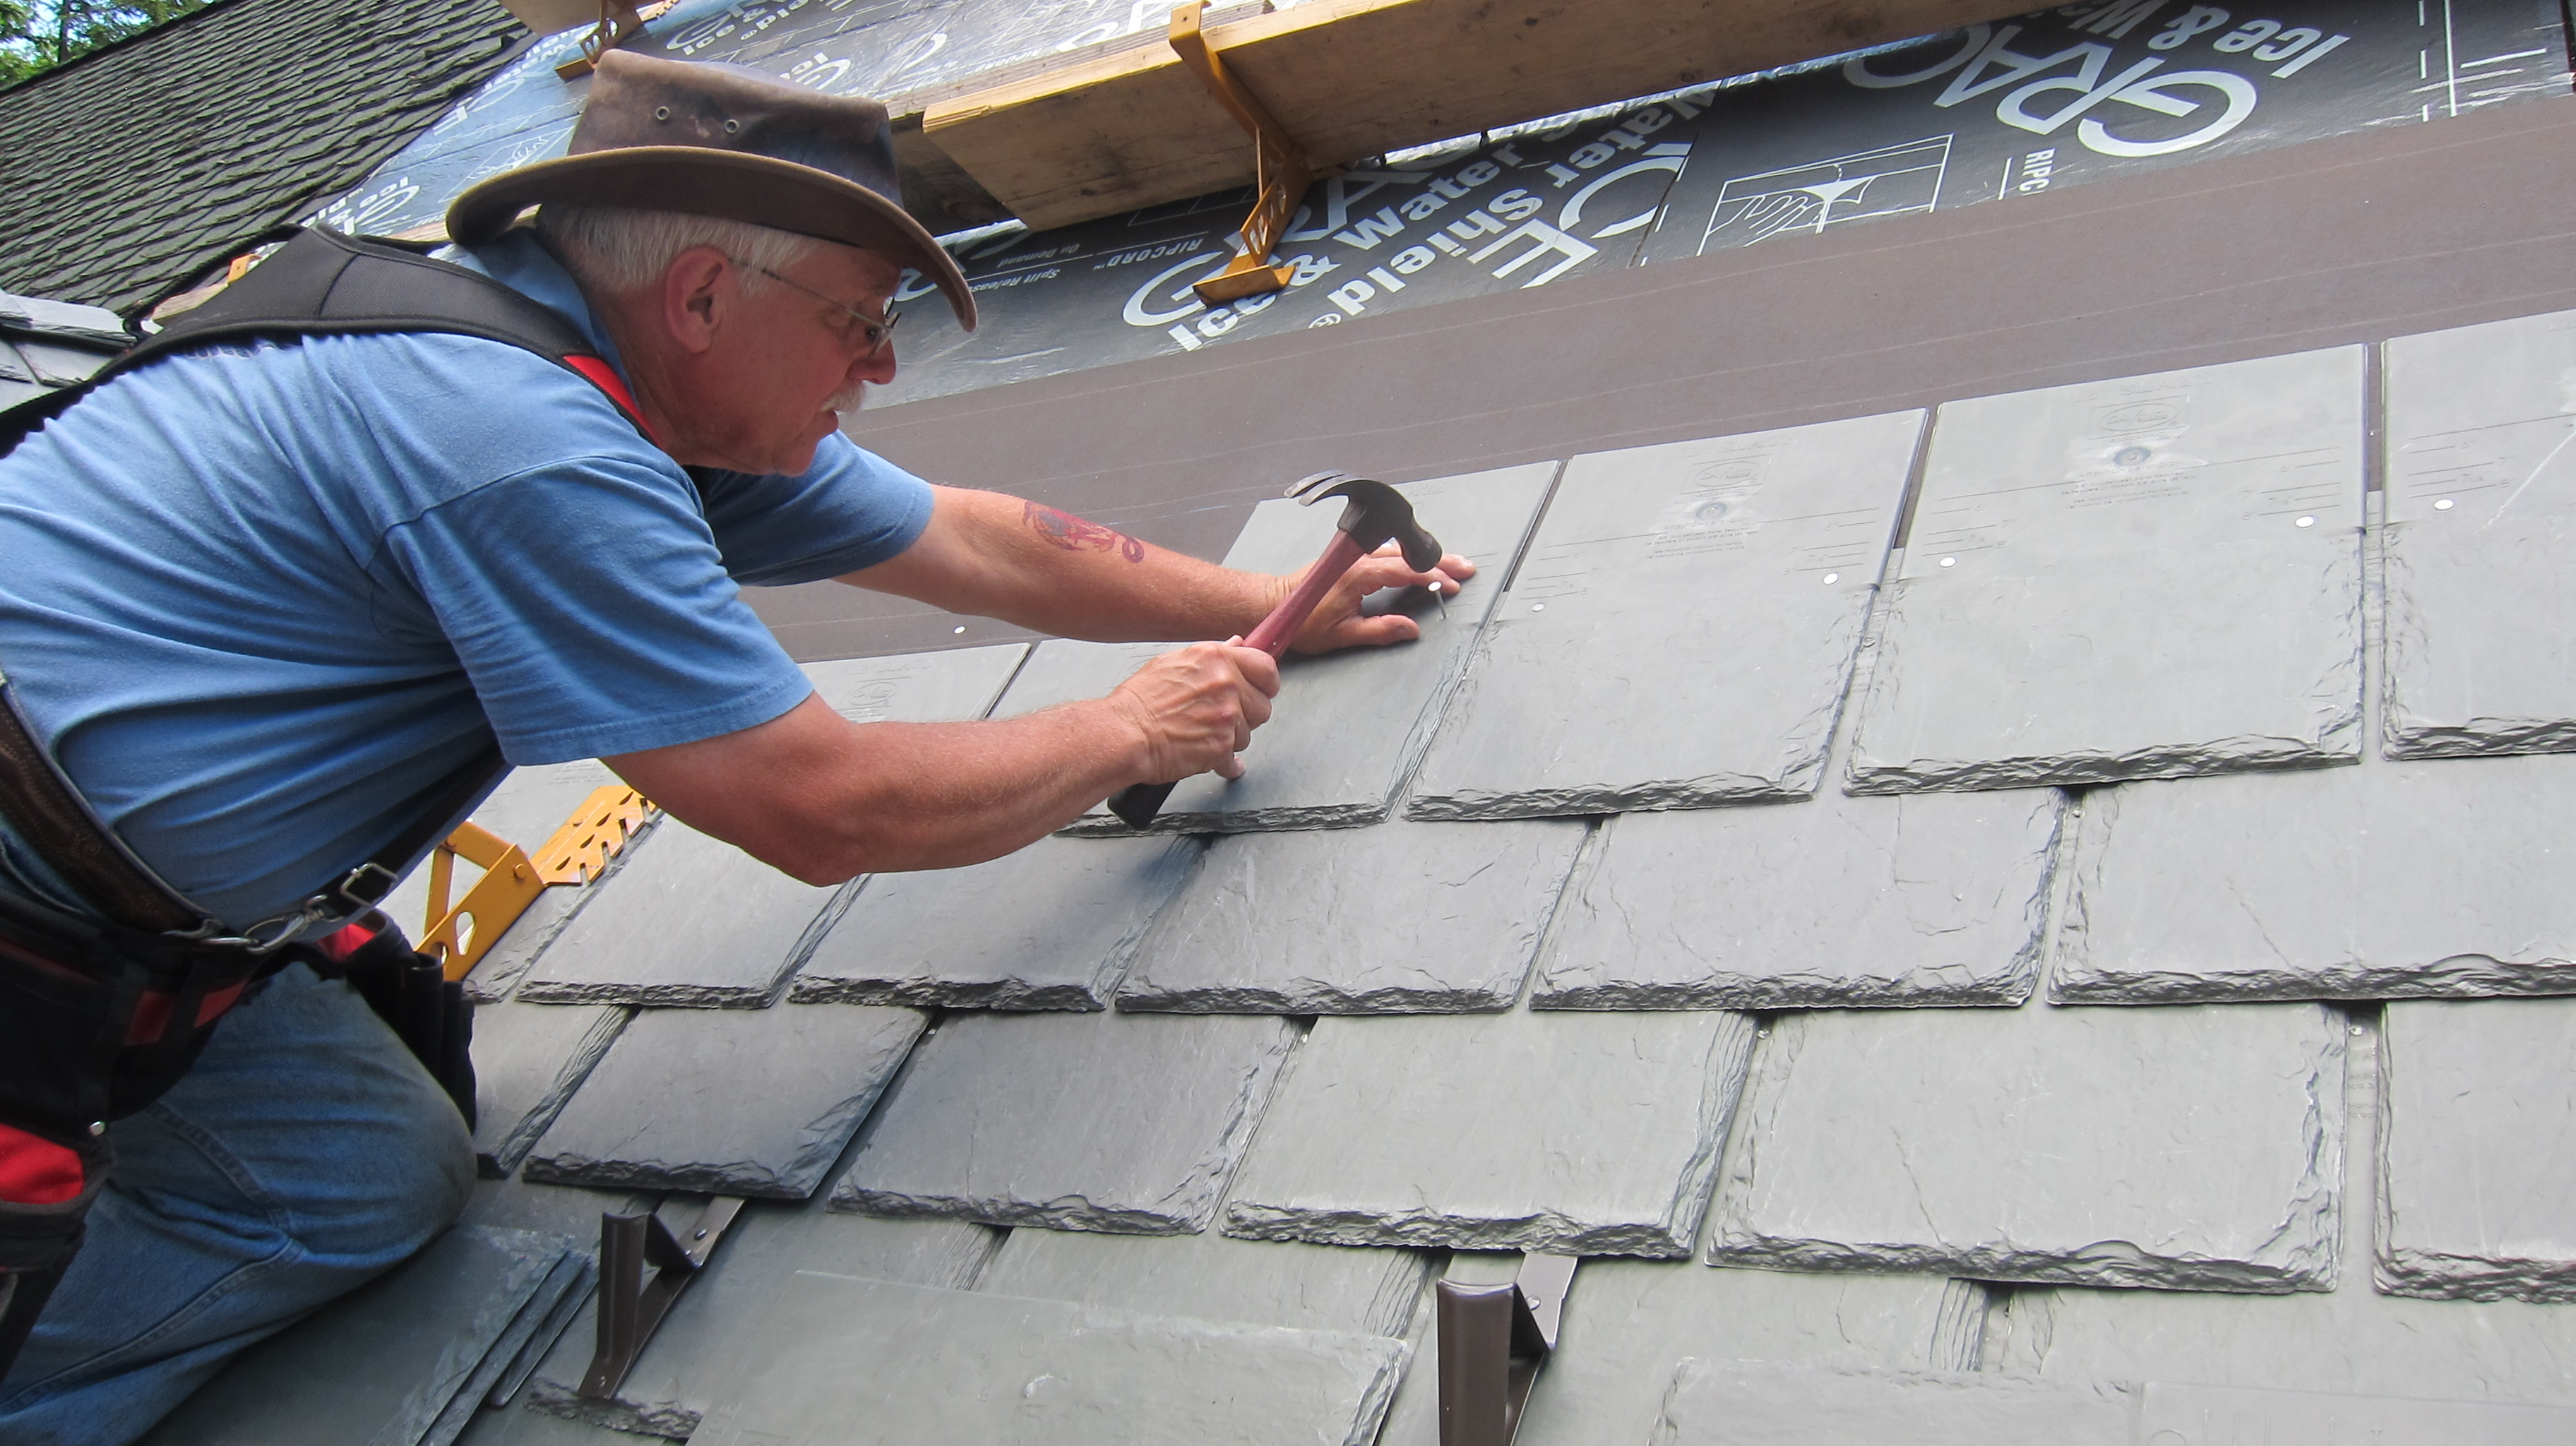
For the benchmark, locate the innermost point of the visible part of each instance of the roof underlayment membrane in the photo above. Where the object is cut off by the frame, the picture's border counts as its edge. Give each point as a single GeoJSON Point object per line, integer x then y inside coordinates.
{"type": "Point", "coordinates": [1981, 844]}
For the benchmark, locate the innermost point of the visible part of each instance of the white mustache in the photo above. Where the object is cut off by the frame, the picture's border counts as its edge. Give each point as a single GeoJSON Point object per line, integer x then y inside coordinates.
{"type": "Point", "coordinates": [847, 399]}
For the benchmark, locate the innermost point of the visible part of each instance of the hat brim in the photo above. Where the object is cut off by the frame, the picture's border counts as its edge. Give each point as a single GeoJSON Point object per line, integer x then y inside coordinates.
{"type": "Point", "coordinates": [729, 185]}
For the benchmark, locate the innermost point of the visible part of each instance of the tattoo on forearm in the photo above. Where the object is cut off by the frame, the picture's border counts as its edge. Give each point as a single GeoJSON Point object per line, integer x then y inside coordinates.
{"type": "Point", "coordinates": [1071, 533]}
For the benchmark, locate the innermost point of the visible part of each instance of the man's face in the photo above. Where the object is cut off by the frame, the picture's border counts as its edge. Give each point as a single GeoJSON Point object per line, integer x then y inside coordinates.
{"type": "Point", "coordinates": [776, 384]}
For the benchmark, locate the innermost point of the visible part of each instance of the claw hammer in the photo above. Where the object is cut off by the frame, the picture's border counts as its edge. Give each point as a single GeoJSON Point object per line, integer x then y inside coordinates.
{"type": "Point", "coordinates": [1372, 514]}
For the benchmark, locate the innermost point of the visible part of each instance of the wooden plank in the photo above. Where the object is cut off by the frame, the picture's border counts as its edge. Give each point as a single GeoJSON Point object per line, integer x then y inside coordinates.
{"type": "Point", "coordinates": [1354, 78]}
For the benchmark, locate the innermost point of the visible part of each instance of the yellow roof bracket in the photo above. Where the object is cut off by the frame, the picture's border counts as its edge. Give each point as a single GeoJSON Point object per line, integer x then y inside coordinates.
{"type": "Point", "coordinates": [618, 19]}
{"type": "Point", "coordinates": [459, 937]}
{"type": "Point", "coordinates": [596, 833]}
{"type": "Point", "coordinates": [1280, 172]}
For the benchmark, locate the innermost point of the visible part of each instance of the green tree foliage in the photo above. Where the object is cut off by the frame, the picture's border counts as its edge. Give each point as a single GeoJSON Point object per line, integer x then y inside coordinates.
{"type": "Point", "coordinates": [37, 35]}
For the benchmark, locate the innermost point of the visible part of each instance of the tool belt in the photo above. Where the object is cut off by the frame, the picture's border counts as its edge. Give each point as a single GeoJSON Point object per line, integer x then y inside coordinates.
{"type": "Point", "coordinates": [100, 1017]}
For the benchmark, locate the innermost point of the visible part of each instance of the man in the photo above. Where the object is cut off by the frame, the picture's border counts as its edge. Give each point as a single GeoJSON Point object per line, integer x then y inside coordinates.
{"type": "Point", "coordinates": [263, 602]}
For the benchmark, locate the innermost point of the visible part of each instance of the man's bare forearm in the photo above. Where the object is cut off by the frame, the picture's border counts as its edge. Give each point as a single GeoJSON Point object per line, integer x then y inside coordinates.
{"type": "Point", "coordinates": [828, 800]}
{"type": "Point", "coordinates": [1027, 563]}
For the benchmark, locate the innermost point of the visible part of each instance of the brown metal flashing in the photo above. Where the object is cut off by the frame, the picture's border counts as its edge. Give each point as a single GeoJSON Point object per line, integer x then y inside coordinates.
{"type": "Point", "coordinates": [630, 1307]}
{"type": "Point", "coordinates": [1493, 1340]}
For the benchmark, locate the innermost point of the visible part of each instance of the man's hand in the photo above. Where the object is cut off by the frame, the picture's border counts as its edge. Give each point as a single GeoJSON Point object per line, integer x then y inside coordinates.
{"type": "Point", "coordinates": [1195, 709]}
{"type": "Point", "coordinates": [1336, 622]}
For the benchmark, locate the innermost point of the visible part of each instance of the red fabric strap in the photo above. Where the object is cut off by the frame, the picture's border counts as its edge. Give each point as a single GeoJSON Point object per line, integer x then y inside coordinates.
{"type": "Point", "coordinates": [344, 941]}
{"type": "Point", "coordinates": [152, 1012]}
{"type": "Point", "coordinates": [603, 376]}
{"type": "Point", "coordinates": [37, 1172]}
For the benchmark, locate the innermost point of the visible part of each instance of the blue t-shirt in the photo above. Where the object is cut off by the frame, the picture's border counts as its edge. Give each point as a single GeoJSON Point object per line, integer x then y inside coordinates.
{"type": "Point", "coordinates": [265, 602]}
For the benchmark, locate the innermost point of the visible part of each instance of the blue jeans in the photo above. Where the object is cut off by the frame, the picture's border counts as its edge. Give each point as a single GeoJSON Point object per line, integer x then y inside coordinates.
{"type": "Point", "coordinates": [306, 1153]}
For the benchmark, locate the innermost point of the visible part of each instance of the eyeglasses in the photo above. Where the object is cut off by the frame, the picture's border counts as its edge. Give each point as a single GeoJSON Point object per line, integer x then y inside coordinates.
{"type": "Point", "coordinates": [872, 333]}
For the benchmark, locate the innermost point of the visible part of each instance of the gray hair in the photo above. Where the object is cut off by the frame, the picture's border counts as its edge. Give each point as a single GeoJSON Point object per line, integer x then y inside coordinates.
{"type": "Point", "coordinates": [619, 249]}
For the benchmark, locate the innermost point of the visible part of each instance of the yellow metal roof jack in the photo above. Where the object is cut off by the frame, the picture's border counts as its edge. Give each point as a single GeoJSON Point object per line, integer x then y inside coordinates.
{"type": "Point", "coordinates": [1280, 172]}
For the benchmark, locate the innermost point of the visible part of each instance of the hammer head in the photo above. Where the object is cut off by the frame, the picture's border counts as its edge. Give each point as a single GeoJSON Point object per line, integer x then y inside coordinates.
{"type": "Point", "coordinates": [1373, 514]}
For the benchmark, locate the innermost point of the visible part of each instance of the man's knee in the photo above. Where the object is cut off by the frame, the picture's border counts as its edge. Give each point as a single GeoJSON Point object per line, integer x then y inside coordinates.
{"type": "Point", "coordinates": [312, 1105]}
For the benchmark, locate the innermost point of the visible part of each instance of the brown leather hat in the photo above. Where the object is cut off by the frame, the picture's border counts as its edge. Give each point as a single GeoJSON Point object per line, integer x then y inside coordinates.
{"type": "Point", "coordinates": [722, 140]}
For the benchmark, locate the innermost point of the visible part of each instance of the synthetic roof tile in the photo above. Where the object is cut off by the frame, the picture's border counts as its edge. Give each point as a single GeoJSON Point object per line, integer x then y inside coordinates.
{"type": "Point", "coordinates": [696, 922]}
{"type": "Point", "coordinates": [2193, 1149]}
{"type": "Point", "coordinates": [666, 1391]}
{"type": "Point", "coordinates": [917, 687]}
{"type": "Point", "coordinates": [2393, 880]}
{"type": "Point", "coordinates": [2146, 577]}
{"type": "Point", "coordinates": [528, 1060]}
{"type": "Point", "coordinates": [58, 365]}
{"type": "Point", "coordinates": [729, 1102]}
{"type": "Point", "coordinates": [1120, 1122]}
{"type": "Point", "coordinates": [1050, 927]}
{"type": "Point", "coordinates": [64, 321]}
{"type": "Point", "coordinates": [1309, 767]}
{"type": "Point", "coordinates": [1396, 919]}
{"type": "Point", "coordinates": [1209, 1277]}
{"type": "Point", "coordinates": [1717, 1401]}
{"type": "Point", "coordinates": [2476, 1202]}
{"type": "Point", "coordinates": [1629, 1323]}
{"type": "Point", "coordinates": [1592, 1134]}
{"type": "Point", "coordinates": [383, 1364]}
{"type": "Point", "coordinates": [525, 808]}
{"type": "Point", "coordinates": [2353, 1342]}
{"type": "Point", "coordinates": [501, 968]}
{"type": "Point", "coordinates": [687, 921]}
{"type": "Point", "coordinates": [876, 1364]}
{"type": "Point", "coordinates": [1661, 579]}
{"type": "Point", "coordinates": [1838, 901]}
{"type": "Point", "coordinates": [2481, 479]}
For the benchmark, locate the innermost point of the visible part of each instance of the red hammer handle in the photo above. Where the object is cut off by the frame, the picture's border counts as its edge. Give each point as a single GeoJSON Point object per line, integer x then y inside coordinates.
{"type": "Point", "coordinates": [1137, 804]}
{"type": "Point", "coordinates": [1275, 631]}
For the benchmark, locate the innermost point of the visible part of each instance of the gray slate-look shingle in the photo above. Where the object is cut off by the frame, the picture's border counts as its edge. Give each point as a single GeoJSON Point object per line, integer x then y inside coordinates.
{"type": "Point", "coordinates": [1715, 1402]}
{"type": "Point", "coordinates": [528, 1060]}
{"type": "Point", "coordinates": [1049, 927]}
{"type": "Point", "coordinates": [2395, 880]}
{"type": "Point", "coordinates": [686, 921]}
{"type": "Point", "coordinates": [1682, 629]}
{"type": "Point", "coordinates": [1127, 1123]}
{"type": "Point", "coordinates": [525, 809]}
{"type": "Point", "coordinates": [2481, 485]}
{"type": "Point", "coordinates": [1926, 899]}
{"type": "Point", "coordinates": [666, 1391]}
{"type": "Point", "coordinates": [2353, 1342]}
{"type": "Point", "coordinates": [1399, 918]}
{"type": "Point", "coordinates": [1629, 1323]}
{"type": "Point", "coordinates": [2188, 1148]}
{"type": "Point", "coordinates": [1211, 1277]}
{"type": "Point", "coordinates": [696, 922]}
{"type": "Point", "coordinates": [513, 1357]}
{"type": "Point", "coordinates": [730, 1102]}
{"type": "Point", "coordinates": [876, 1364]}
{"type": "Point", "coordinates": [2476, 1201]}
{"type": "Point", "coordinates": [2148, 577]}
{"type": "Point", "coordinates": [1348, 727]}
{"type": "Point", "coordinates": [1591, 1134]}
{"type": "Point", "coordinates": [383, 1363]}
{"type": "Point", "coordinates": [131, 169]}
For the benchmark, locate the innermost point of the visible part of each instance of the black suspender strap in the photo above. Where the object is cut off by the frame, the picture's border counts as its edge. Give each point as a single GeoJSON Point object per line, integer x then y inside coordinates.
{"type": "Point", "coordinates": [319, 283]}
{"type": "Point", "coordinates": [322, 283]}
{"type": "Point", "coordinates": [57, 823]}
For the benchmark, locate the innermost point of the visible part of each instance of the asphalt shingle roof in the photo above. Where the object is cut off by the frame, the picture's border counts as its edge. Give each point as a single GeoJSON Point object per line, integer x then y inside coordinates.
{"type": "Point", "coordinates": [132, 168]}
